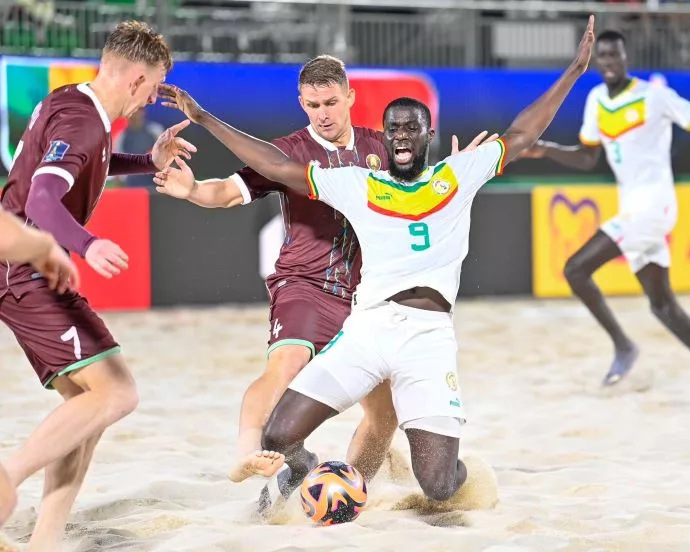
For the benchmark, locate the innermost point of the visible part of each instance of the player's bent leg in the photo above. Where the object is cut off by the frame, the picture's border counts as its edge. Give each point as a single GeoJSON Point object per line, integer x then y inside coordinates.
{"type": "Point", "coordinates": [663, 303]}
{"type": "Point", "coordinates": [435, 462]}
{"type": "Point", "coordinates": [579, 268]}
{"type": "Point", "coordinates": [294, 418]}
{"type": "Point", "coordinates": [63, 479]}
{"type": "Point", "coordinates": [8, 496]}
{"type": "Point", "coordinates": [284, 363]}
{"type": "Point", "coordinates": [109, 395]}
{"type": "Point", "coordinates": [374, 435]}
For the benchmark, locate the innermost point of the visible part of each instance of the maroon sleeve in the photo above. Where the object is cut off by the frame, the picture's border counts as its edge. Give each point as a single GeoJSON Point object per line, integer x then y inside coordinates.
{"type": "Point", "coordinates": [256, 186]}
{"type": "Point", "coordinates": [71, 139]}
{"type": "Point", "coordinates": [45, 209]}
{"type": "Point", "coordinates": [131, 163]}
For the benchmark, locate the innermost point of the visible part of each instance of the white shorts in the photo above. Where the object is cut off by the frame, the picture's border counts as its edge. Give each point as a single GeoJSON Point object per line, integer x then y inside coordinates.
{"type": "Point", "coordinates": [641, 234]}
{"type": "Point", "coordinates": [415, 349]}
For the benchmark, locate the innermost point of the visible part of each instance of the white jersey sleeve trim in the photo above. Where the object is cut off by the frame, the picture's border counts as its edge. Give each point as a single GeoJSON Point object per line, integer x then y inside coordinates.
{"type": "Point", "coordinates": [57, 171]}
{"type": "Point", "coordinates": [244, 189]}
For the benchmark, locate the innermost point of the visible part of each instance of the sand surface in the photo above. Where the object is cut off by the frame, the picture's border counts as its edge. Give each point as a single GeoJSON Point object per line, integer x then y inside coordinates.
{"type": "Point", "coordinates": [579, 469]}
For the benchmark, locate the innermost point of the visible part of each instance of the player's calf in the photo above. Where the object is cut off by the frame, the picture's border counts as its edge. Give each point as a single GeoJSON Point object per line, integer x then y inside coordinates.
{"type": "Point", "coordinates": [8, 497]}
{"type": "Point", "coordinates": [284, 363]}
{"type": "Point", "coordinates": [663, 303]}
{"type": "Point", "coordinates": [374, 435]}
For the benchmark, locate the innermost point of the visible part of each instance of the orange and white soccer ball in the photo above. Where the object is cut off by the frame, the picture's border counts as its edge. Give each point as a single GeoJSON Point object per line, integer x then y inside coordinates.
{"type": "Point", "coordinates": [333, 492]}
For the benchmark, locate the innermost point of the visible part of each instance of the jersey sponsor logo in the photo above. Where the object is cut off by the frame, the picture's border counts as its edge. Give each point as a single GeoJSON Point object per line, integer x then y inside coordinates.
{"type": "Point", "coordinates": [373, 162]}
{"type": "Point", "coordinates": [56, 151]}
{"type": "Point", "coordinates": [414, 201]}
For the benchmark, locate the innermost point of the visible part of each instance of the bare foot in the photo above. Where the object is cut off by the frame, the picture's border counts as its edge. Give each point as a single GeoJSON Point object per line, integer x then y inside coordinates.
{"type": "Point", "coordinates": [622, 364]}
{"type": "Point", "coordinates": [8, 497]}
{"type": "Point", "coordinates": [260, 462]}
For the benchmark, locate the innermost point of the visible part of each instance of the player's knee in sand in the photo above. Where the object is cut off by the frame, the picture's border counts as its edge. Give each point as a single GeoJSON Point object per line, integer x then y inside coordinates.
{"type": "Point", "coordinates": [478, 492]}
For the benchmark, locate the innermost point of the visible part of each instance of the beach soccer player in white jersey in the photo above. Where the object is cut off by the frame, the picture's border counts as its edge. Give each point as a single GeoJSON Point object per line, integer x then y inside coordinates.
{"type": "Point", "coordinates": [413, 225]}
{"type": "Point", "coordinates": [632, 120]}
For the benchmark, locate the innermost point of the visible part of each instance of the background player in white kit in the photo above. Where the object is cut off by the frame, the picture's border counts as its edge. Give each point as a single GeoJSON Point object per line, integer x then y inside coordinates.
{"type": "Point", "coordinates": [413, 225]}
{"type": "Point", "coordinates": [632, 120]}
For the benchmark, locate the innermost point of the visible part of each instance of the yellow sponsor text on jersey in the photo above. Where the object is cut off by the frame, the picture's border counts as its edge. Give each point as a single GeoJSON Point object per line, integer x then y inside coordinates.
{"type": "Point", "coordinates": [614, 122]}
{"type": "Point", "coordinates": [415, 200]}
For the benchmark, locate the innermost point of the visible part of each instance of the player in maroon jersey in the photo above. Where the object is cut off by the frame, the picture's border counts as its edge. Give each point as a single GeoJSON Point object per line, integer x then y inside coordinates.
{"type": "Point", "coordinates": [318, 267]}
{"type": "Point", "coordinates": [57, 177]}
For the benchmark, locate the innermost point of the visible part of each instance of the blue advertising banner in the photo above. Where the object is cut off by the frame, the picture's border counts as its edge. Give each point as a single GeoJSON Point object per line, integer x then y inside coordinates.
{"type": "Point", "coordinates": [262, 100]}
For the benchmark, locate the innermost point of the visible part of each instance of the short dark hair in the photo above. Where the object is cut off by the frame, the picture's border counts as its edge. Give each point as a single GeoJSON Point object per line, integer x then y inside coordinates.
{"type": "Point", "coordinates": [323, 71]}
{"type": "Point", "coordinates": [409, 102]}
{"type": "Point", "coordinates": [610, 36]}
{"type": "Point", "coordinates": [135, 41]}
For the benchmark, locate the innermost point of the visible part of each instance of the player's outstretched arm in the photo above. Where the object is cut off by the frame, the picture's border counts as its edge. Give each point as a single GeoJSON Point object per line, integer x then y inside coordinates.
{"type": "Point", "coordinates": [214, 192]}
{"type": "Point", "coordinates": [261, 156]}
{"type": "Point", "coordinates": [478, 140]}
{"type": "Point", "coordinates": [23, 244]}
{"type": "Point", "coordinates": [578, 156]}
{"type": "Point", "coordinates": [531, 123]}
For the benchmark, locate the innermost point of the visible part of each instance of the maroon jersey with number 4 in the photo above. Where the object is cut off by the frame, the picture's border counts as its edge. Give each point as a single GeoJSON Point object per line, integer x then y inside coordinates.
{"type": "Point", "coordinates": [320, 246]}
{"type": "Point", "coordinates": [68, 136]}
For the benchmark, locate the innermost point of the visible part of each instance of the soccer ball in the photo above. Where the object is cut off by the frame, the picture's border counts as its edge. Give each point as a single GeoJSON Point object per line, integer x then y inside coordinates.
{"type": "Point", "coordinates": [333, 492]}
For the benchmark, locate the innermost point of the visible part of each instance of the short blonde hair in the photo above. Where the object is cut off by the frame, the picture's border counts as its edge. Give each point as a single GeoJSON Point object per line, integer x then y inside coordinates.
{"type": "Point", "coordinates": [137, 42]}
{"type": "Point", "coordinates": [323, 71]}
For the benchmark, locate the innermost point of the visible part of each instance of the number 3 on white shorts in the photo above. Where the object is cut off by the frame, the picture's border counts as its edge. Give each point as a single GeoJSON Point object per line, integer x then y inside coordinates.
{"type": "Point", "coordinates": [72, 334]}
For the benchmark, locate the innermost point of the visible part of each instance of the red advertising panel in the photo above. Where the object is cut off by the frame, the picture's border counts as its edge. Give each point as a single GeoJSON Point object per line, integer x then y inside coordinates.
{"type": "Point", "coordinates": [122, 216]}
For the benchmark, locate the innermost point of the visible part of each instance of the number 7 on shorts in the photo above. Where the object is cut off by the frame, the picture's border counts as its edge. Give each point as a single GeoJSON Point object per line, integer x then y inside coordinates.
{"type": "Point", "coordinates": [72, 334]}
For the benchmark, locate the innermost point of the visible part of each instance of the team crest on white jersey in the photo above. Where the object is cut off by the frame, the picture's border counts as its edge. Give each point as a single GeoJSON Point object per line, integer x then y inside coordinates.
{"type": "Point", "coordinates": [441, 187]}
{"type": "Point", "coordinates": [632, 116]}
{"type": "Point", "coordinates": [452, 381]}
{"type": "Point", "coordinates": [373, 162]}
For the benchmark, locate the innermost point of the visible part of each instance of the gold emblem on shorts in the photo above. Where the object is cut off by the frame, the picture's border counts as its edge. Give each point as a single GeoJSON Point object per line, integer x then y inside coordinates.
{"type": "Point", "coordinates": [373, 162]}
{"type": "Point", "coordinates": [439, 186]}
{"type": "Point", "coordinates": [452, 380]}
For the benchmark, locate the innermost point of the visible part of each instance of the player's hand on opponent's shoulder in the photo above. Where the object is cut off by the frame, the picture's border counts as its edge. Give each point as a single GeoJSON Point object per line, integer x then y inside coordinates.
{"type": "Point", "coordinates": [175, 182]}
{"type": "Point", "coordinates": [169, 145]}
{"type": "Point", "coordinates": [177, 98]}
{"type": "Point", "coordinates": [106, 258]}
{"type": "Point", "coordinates": [584, 50]}
{"type": "Point", "coordinates": [478, 140]}
{"type": "Point", "coordinates": [58, 269]}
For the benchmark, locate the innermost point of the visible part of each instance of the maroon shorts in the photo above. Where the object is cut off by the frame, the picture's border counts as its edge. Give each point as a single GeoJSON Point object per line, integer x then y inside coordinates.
{"type": "Point", "coordinates": [59, 333]}
{"type": "Point", "coordinates": [302, 314]}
